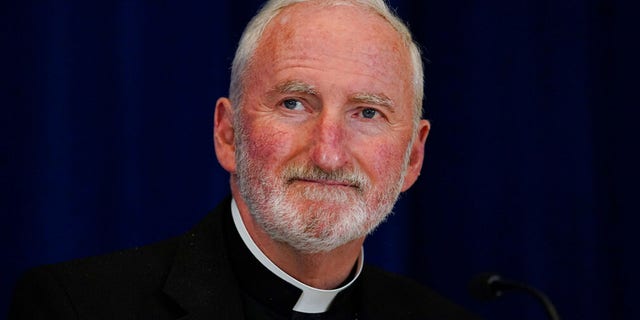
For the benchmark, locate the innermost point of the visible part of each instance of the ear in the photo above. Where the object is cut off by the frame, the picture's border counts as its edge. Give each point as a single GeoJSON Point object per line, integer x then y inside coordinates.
{"type": "Point", "coordinates": [223, 135]}
{"type": "Point", "coordinates": [417, 155]}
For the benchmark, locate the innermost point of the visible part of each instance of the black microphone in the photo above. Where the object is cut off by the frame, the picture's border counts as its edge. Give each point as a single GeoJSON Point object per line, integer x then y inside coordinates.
{"type": "Point", "coordinates": [487, 286]}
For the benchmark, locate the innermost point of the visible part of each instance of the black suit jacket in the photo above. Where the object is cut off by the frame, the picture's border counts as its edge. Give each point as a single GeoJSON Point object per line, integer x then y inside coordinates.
{"type": "Point", "coordinates": [189, 277]}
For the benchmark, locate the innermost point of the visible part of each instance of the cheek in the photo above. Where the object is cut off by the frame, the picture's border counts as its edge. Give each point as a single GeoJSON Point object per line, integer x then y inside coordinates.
{"type": "Point", "coordinates": [267, 145]}
{"type": "Point", "coordinates": [385, 162]}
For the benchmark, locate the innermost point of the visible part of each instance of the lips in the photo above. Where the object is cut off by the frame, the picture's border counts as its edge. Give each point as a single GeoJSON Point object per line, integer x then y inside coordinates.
{"type": "Point", "coordinates": [329, 182]}
{"type": "Point", "coordinates": [313, 175]}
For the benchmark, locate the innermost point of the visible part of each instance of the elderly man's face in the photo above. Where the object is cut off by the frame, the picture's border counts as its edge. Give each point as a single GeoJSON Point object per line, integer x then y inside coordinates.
{"type": "Point", "coordinates": [326, 126]}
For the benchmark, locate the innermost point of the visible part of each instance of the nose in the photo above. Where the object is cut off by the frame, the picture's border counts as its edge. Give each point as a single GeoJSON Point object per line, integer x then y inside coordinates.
{"type": "Point", "coordinates": [329, 150]}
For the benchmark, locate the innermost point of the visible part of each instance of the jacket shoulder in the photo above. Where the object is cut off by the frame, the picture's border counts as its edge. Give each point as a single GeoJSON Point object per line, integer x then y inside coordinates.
{"type": "Point", "coordinates": [399, 297]}
{"type": "Point", "coordinates": [107, 285]}
{"type": "Point", "coordinates": [158, 281]}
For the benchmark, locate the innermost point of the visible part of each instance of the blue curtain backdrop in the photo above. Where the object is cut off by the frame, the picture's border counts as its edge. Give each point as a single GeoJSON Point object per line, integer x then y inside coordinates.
{"type": "Point", "coordinates": [530, 171]}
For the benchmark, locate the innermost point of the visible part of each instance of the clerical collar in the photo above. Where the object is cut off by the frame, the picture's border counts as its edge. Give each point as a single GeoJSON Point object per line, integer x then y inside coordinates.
{"type": "Point", "coordinates": [311, 300]}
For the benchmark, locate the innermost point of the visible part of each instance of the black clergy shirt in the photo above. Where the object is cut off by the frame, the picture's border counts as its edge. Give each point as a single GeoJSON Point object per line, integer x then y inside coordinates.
{"type": "Point", "coordinates": [267, 296]}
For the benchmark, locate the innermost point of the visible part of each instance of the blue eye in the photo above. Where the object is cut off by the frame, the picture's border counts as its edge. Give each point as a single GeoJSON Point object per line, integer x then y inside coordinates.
{"type": "Point", "coordinates": [369, 113]}
{"type": "Point", "coordinates": [292, 104]}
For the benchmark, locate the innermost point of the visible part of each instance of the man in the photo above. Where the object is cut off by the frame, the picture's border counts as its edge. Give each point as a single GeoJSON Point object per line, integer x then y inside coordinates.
{"type": "Point", "coordinates": [321, 133]}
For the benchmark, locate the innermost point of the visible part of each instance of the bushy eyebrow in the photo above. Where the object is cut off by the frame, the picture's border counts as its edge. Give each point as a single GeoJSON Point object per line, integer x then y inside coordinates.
{"type": "Point", "coordinates": [295, 86]}
{"type": "Point", "coordinates": [367, 98]}
{"type": "Point", "coordinates": [377, 99]}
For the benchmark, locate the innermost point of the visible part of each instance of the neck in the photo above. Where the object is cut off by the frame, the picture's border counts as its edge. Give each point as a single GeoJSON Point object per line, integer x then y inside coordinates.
{"type": "Point", "coordinates": [323, 270]}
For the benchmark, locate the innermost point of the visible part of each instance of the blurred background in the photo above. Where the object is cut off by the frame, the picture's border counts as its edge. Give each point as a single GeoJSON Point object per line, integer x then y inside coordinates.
{"type": "Point", "coordinates": [531, 166]}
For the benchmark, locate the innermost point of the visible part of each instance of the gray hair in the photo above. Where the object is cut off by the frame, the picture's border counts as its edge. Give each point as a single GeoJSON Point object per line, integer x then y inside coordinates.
{"type": "Point", "coordinates": [255, 29]}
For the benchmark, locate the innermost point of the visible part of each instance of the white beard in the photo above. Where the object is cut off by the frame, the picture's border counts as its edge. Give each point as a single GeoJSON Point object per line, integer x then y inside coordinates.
{"type": "Point", "coordinates": [314, 218]}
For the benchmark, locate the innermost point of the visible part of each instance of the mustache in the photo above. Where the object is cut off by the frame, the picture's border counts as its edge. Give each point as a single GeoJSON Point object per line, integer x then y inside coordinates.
{"type": "Point", "coordinates": [354, 178]}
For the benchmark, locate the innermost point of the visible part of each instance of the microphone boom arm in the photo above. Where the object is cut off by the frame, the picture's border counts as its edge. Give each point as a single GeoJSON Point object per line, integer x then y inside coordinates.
{"type": "Point", "coordinates": [487, 286]}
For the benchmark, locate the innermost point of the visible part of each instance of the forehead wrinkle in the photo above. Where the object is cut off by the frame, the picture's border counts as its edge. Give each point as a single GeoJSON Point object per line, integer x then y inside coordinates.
{"type": "Point", "coordinates": [378, 99]}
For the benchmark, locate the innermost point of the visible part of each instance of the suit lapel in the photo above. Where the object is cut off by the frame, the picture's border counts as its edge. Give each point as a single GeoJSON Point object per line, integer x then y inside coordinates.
{"type": "Point", "coordinates": [201, 281]}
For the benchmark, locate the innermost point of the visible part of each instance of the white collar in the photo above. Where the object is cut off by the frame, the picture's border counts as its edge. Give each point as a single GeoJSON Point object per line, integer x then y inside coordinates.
{"type": "Point", "coordinates": [312, 300]}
